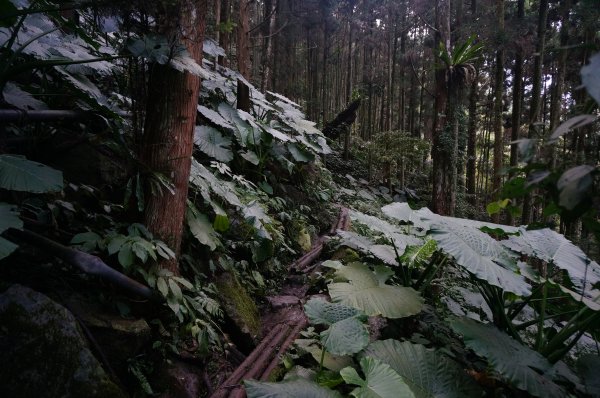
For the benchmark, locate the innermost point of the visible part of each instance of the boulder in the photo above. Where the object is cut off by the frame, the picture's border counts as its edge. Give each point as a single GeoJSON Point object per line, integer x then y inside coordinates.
{"type": "Point", "coordinates": [43, 352]}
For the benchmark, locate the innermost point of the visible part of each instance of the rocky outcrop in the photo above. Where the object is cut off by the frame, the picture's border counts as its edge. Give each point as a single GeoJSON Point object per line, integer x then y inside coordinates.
{"type": "Point", "coordinates": [43, 352]}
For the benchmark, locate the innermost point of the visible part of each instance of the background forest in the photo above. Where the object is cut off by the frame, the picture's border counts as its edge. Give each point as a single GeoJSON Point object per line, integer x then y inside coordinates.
{"type": "Point", "coordinates": [312, 198]}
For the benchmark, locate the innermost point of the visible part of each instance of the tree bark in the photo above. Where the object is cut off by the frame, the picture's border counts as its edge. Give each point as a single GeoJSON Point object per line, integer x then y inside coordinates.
{"type": "Point", "coordinates": [271, 9]}
{"type": "Point", "coordinates": [498, 107]}
{"type": "Point", "coordinates": [443, 195]}
{"type": "Point", "coordinates": [536, 93]}
{"type": "Point", "coordinates": [169, 125]}
{"type": "Point", "coordinates": [243, 42]}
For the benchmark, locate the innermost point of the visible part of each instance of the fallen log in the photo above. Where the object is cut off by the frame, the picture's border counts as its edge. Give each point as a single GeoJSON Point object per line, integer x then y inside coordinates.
{"type": "Point", "coordinates": [87, 263]}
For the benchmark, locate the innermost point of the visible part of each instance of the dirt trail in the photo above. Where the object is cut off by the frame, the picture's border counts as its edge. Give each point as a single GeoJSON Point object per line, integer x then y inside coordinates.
{"type": "Point", "coordinates": [282, 324]}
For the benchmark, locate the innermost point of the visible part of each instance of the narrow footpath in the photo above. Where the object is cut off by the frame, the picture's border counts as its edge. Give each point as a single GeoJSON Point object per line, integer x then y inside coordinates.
{"type": "Point", "coordinates": [282, 325]}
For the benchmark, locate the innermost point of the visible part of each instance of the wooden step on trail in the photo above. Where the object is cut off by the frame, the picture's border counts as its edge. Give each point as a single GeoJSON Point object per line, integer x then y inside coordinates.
{"type": "Point", "coordinates": [289, 320]}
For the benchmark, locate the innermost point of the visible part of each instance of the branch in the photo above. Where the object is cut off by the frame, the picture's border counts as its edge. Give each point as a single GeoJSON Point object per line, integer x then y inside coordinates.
{"type": "Point", "coordinates": [87, 263]}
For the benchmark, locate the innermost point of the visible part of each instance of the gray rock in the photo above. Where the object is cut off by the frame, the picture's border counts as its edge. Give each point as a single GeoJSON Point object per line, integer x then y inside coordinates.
{"type": "Point", "coordinates": [43, 352]}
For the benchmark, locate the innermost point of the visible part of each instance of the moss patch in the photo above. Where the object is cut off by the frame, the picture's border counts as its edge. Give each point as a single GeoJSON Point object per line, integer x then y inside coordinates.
{"type": "Point", "coordinates": [238, 304]}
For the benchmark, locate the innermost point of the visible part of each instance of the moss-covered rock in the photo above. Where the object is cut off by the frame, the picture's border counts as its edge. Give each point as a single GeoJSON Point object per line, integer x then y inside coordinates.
{"type": "Point", "coordinates": [303, 240]}
{"type": "Point", "coordinates": [43, 352]}
{"type": "Point", "coordinates": [238, 304]}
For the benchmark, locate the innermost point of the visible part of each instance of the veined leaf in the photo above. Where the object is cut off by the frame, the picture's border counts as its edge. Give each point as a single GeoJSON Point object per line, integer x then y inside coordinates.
{"type": "Point", "coordinates": [298, 388]}
{"type": "Point", "coordinates": [20, 174]}
{"type": "Point", "coordinates": [202, 229]}
{"type": "Point", "coordinates": [347, 334]}
{"type": "Point", "coordinates": [428, 373]}
{"type": "Point", "coordinates": [381, 381]}
{"type": "Point", "coordinates": [552, 247]}
{"type": "Point", "coordinates": [518, 363]}
{"type": "Point", "coordinates": [355, 241]}
{"type": "Point", "coordinates": [481, 255]}
{"type": "Point", "coordinates": [214, 117]}
{"type": "Point", "coordinates": [367, 291]}
{"type": "Point", "coordinates": [213, 143]}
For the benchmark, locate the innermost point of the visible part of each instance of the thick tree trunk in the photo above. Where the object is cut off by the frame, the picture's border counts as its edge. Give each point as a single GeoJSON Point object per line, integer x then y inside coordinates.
{"type": "Point", "coordinates": [243, 42]}
{"type": "Point", "coordinates": [169, 126]}
{"type": "Point", "coordinates": [271, 9]}
{"type": "Point", "coordinates": [224, 36]}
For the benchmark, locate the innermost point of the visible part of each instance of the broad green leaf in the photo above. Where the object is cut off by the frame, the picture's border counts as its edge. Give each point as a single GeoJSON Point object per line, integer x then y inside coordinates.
{"type": "Point", "coordinates": [161, 284]}
{"type": "Point", "coordinates": [521, 365]}
{"type": "Point", "coordinates": [175, 289]}
{"type": "Point", "coordinates": [403, 212]}
{"type": "Point", "coordinates": [588, 366]}
{"type": "Point", "coordinates": [213, 143]}
{"type": "Point", "coordinates": [481, 255]}
{"type": "Point", "coordinates": [428, 373]}
{"type": "Point", "coordinates": [221, 223]}
{"type": "Point", "coordinates": [355, 241]}
{"type": "Point", "coordinates": [330, 361]}
{"type": "Point", "coordinates": [364, 291]}
{"type": "Point", "coordinates": [381, 381]}
{"type": "Point", "coordinates": [299, 154]}
{"type": "Point", "coordinates": [206, 182]}
{"type": "Point", "coordinates": [573, 185]}
{"type": "Point", "coordinates": [323, 312]}
{"type": "Point", "coordinates": [87, 240]}
{"type": "Point", "coordinates": [251, 157]}
{"type": "Point", "coordinates": [417, 255]}
{"type": "Point", "coordinates": [9, 218]}
{"type": "Point", "coordinates": [6, 248]}
{"type": "Point", "coordinates": [388, 230]}
{"type": "Point", "coordinates": [241, 128]}
{"type": "Point", "coordinates": [126, 257]}
{"type": "Point", "coordinates": [298, 388]}
{"type": "Point", "coordinates": [115, 244]}
{"type": "Point", "coordinates": [345, 337]}
{"type": "Point", "coordinates": [590, 77]}
{"type": "Point", "coordinates": [20, 174]}
{"type": "Point", "coordinates": [256, 216]}
{"type": "Point", "coordinates": [202, 229]}
{"type": "Point", "coordinates": [552, 247]}
{"type": "Point", "coordinates": [214, 117]}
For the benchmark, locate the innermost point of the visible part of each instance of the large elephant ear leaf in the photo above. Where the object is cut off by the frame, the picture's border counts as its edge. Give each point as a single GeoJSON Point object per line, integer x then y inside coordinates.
{"type": "Point", "coordinates": [20, 174]}
{"type": "Point", "coordinates": [381, 381]}
{"type": "Point", "coordinates": [213, 143]}
{"type": "Point", "coordinates": [298, 388]}
{"type": "Point", "coordinates": [347, 334]}
{"type": "Point", "coordinates": [552, 247]}
{"type": "Point", "coordinates": [518, 363]}
{"type": "Point", "coordinates": [426, 372]}
{"type": "Point", "coordinates": [367, 291]}
{"type": "Point", "coordinates": [481, 255]}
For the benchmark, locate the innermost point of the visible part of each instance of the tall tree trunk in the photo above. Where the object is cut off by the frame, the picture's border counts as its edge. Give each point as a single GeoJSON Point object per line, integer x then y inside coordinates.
{"type": "Point", "coordinates": [243, 42]}
{"type": "Point", "coordinates": [536, 93]}
{"type": "Point", "coordinates": [472, 142]}
{"type": "Point", "coordinates": [498, 107]}
{"type": "Point", "coordinates": [224, 37]}
{"type": "Point", "coordinates": [169, 126]}
{"type": "Point", "coordinates": [271, 10]}
{"type": "Point", "coordinates": [348, 87]}
{"type": "Point", "coordinates": [443, 197]}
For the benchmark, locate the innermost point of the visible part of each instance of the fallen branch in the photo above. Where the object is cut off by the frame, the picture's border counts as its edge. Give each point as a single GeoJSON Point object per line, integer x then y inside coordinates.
{"type": "Point", "coordinates": [87, 263]}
